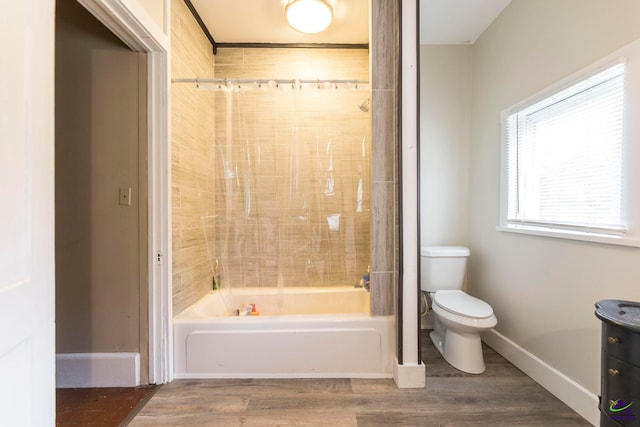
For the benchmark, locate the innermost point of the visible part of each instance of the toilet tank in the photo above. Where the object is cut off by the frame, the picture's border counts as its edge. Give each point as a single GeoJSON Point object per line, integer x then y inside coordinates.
{"type": "Point", "coordinates": [442, 267]}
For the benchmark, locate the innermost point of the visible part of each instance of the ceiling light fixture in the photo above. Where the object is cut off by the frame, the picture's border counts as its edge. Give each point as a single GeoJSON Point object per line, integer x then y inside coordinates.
{"type": "Point", "coordinates": [309, 16]}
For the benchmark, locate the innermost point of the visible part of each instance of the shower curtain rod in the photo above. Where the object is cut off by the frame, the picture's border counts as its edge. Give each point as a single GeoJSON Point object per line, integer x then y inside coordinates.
{"type": "Point", "coordinates": [266, 81]}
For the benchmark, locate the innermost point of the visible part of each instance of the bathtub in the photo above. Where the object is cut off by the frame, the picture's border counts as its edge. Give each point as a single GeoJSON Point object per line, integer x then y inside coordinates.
{"type": "Point", "coordinates": [299, 333]}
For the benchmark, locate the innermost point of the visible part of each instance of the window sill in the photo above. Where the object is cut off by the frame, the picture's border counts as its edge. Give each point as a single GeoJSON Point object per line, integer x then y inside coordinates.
{"type": "Point", "coordinates": [571, 235]}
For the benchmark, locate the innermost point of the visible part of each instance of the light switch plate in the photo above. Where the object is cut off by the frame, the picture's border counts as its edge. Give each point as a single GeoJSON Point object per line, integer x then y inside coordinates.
{"type": "Point", "coordinates": [125, 196]}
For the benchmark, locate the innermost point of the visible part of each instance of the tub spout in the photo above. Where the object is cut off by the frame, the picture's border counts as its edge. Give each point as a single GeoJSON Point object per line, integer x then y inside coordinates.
{"type": "Point", "coordinates": [362, 284]}
{"type": "Point", "coordinates": [365, 282]}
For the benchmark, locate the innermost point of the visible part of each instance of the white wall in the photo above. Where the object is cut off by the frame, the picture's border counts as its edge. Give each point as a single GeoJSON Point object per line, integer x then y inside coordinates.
{"type": "Point", "coordinates": [445, 120]}
{"type": "Point", "coordinates": [543, 289]}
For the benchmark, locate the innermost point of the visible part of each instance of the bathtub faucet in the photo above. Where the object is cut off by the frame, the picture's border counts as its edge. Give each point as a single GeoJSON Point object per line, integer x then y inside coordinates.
{"type": "Point", "coordinates": [365, 281]}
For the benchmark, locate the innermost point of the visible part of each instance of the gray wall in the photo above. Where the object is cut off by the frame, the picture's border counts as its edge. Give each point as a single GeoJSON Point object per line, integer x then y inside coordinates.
{"type": "Point", "coordinates": [445, 132]}
{"type": "Point", "coordinates": [542, 289]}
{"type": "Point", "coordinates": [98, 300]}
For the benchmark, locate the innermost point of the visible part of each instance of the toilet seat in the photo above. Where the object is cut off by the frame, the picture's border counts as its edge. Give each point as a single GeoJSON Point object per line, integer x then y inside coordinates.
{"type": "Point", "coordinates": [462, 304]}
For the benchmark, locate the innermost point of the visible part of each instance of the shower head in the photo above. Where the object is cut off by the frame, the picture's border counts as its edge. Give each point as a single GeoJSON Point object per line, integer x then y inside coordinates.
{"type": "Point", "coordinates": [364, 106]}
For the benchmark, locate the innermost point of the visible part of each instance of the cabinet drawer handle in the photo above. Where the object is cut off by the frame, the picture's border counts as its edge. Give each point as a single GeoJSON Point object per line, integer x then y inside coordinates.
{"type": "Point", "coordinates": [613, 372]}
{"type": "Point", "coordinates": [613, 340]}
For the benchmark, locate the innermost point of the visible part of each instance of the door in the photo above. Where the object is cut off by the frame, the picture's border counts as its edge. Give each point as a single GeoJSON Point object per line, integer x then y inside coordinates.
{"type": "Point", "coordinates": [27, 361]}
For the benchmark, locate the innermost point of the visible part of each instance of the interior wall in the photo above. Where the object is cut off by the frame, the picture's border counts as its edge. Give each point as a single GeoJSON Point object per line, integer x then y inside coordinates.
{"type": "Point", "coordinates": [192, 164]}
{"type": "Point", "coordinates": [156, 10]}
{"type": "Point", "coordinates": [97, 239]}
{"type": "Point", "coordinates": [445, 135]}
{"type": "Point", "coordinates": [297, 211]}
{"type": "Point", "coordinates": [543, 289]}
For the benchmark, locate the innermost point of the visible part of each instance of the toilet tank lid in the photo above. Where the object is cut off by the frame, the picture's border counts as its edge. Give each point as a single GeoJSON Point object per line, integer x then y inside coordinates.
{"type": "Point", "coordinates": [444, 251]}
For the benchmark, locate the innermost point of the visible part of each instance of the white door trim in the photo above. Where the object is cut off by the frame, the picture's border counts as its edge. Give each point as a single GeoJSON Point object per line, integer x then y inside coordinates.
{"type": "Point", "coordinates": [131, 23]}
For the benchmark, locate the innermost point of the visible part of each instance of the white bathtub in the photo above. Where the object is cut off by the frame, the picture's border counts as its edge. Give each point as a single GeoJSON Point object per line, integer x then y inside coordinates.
{"type": "Point", "coordinates": [300, 333]}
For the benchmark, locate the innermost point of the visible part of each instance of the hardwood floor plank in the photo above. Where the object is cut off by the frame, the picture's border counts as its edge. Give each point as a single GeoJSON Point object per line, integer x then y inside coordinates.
{"type": "Point", "coordinates": [205, 404]}
{"type": "Point", "coordinates": [256, 386]}
{"type": "Point", "coordinates": [109, 406]}
{"type": "Point", "coordinates": [262, 419]}
{"type": "Point", "coordinates": [367, 385]}
{"type": "Point", "coordinates": [452, 418]}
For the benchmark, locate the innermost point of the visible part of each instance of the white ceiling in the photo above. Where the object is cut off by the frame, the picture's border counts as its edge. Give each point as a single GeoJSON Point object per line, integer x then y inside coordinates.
{"type": "Point", "coordinates": [263, 21]}
{"type": "Point", "coordinates": [457, 21]}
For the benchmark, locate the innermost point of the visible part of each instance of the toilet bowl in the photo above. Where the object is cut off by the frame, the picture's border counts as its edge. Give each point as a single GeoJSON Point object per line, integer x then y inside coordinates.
{"type": "Point", "coordinates": [459, 320]}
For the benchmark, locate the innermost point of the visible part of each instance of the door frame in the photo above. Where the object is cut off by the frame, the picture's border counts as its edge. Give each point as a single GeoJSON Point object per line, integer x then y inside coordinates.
{"type": "Point", "coordinates": [133, 25]}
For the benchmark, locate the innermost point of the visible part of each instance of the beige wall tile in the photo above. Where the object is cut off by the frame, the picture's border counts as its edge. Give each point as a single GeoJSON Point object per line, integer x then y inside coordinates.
{"type": "Point", "coordinates": [192, 160]}
{"type": "Point", "coordinates": [384, 44]}
{"type": "Point", "coordinates": [385, 132]}
{"type": "Point", "coordinates": [382, 247]}
{"type": "Point", "coordinates": [383, 293]}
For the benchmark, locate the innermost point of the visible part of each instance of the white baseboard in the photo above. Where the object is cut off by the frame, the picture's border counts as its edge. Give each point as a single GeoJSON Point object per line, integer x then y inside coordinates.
{"type": "Point", "coordinates": [84, 370]}
{"type": "Point", "coordinates": [564, 388]}
{"type": "Point", "coordinates": [409, 376]}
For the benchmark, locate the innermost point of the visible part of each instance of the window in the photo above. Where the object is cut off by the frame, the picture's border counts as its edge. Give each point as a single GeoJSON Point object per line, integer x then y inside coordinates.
{"type": "Point", "coordinates": [566, 163]}
{"type": "Point", "coordinates": [564, 157]}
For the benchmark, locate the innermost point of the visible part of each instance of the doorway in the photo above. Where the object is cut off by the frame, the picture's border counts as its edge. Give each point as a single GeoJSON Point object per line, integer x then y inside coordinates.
{"type": "Point", "coordinates": [101, 209]}
{"type": "Point", "coordinates": [141, 35]}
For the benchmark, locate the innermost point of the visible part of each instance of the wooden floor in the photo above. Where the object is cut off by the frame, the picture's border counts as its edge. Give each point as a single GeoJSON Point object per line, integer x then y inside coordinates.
{"type": "Point", "coordinates": [103, 407]}
{"type": "Point", "coordinates": [502, 396]}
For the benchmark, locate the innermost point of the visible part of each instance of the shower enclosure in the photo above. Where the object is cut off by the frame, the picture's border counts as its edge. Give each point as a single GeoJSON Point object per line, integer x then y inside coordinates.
{"type": "Point", "coordinates": [287, 237]}
{"type": "Point", "coordinates": [292, 184]}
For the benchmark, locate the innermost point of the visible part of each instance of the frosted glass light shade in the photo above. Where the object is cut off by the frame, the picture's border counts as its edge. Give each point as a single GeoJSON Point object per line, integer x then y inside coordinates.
{"type": "Point", "coordinates": [309, 16]}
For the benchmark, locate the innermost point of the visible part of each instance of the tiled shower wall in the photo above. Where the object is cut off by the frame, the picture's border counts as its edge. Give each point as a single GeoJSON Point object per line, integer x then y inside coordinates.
{"type": "Point", "coordinates": [293, 168]}
{"type": "Point", "coordinates": [192, 166]}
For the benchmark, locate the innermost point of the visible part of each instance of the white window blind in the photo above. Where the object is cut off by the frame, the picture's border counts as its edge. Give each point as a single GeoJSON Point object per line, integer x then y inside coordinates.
{"type": "Point", "coordinates": [564, 157]}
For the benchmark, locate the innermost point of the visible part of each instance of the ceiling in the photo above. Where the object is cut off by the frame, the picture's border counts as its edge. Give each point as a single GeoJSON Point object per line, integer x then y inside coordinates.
{"type": "Point", "coordinates": [457, 21]}
{"type": "Point", "coordinates": [263, 21]}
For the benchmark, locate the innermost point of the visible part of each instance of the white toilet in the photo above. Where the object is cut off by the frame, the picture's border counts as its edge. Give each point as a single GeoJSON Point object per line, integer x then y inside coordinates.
{"type": "Point", "coordinates": [459, 317]}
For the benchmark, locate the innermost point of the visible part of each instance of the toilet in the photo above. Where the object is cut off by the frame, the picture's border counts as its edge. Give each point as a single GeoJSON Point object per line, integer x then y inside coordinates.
{"type": "Point", "coordinates": [458, 317]}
